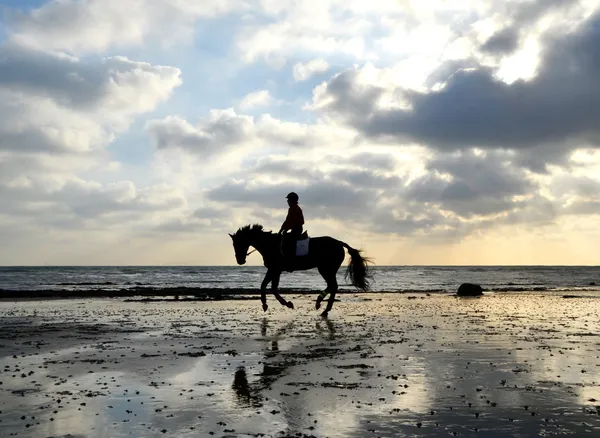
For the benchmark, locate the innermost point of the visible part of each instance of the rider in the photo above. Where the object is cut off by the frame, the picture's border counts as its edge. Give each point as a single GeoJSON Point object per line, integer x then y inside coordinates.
{"type": "Point", "coordinates": [294, 219]}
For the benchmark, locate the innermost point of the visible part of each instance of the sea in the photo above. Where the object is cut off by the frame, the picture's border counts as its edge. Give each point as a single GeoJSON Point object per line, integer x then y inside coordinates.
{"type": "Point", "coordinates": [439, 279]}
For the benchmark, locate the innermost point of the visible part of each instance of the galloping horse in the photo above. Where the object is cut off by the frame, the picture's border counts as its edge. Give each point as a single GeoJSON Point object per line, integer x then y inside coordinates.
{"type": "Point", "coordinates": [325, 253]}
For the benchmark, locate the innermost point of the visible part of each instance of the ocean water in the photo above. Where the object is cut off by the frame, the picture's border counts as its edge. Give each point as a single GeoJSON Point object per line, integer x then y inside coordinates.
{"type": "Point", "coordinates": [387, 278]}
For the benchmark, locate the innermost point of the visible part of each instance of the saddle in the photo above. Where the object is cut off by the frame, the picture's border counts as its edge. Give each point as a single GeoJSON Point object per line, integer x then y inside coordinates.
{"type": "Point", "coordinates": [295, 247]}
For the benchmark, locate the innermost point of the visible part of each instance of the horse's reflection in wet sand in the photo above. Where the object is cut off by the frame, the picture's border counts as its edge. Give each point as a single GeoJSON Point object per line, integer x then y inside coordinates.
{"type": "Point", "coordinates": [275, 363]}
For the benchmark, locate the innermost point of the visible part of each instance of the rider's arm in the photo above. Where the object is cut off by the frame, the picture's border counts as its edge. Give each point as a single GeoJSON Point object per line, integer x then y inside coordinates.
{"type": "Point", "coordinates": [286, 224]}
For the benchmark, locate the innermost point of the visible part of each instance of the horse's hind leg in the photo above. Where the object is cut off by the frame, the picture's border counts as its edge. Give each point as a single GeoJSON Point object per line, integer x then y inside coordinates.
{"type": "Point", "coordinates": [332, 287]}
{"type": "Point", "coordinates": [274, 286]}
{"type": "Point", "coordinates": [324, 293]}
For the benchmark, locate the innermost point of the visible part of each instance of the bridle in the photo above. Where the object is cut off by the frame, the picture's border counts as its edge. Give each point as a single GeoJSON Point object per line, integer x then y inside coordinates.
{"type": "Point", "coordinates": [250, 252]}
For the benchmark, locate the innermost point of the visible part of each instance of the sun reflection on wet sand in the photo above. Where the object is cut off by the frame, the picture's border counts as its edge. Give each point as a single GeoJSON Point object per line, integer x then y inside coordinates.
{"type": "Point", "coordinates": [381, 365]}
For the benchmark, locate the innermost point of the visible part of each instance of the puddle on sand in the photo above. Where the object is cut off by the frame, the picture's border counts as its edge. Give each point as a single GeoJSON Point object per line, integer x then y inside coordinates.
{"type": "Point", "coordinates": [501, 365]}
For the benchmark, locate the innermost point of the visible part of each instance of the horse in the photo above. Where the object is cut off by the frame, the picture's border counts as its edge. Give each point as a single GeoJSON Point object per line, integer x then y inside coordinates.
{"type": "Point", "coordinates": [325, 253]}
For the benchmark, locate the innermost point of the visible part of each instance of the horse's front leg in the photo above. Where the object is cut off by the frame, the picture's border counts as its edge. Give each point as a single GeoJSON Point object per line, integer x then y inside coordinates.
{"type": "Point", "coordinates": [263, 289]}
{"type": "Point", "coordinates": [275, 286]}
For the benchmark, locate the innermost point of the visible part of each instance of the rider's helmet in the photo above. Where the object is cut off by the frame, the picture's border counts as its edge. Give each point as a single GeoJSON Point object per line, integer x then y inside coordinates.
{"type": "Point", "coordinates": [292, 197]}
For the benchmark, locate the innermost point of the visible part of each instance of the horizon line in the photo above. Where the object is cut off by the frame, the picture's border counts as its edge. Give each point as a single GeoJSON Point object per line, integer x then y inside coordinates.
{"type": "Point", "coordinates": [261, 266]}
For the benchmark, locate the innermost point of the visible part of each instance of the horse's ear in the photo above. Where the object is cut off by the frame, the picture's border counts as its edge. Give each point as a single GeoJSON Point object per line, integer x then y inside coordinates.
{"type": "Point", "coordinates": [230, 235]}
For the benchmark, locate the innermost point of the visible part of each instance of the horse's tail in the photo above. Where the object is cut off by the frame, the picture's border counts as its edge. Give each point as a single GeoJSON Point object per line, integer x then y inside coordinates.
{"type": "Point", "coordinates": [358, 269]}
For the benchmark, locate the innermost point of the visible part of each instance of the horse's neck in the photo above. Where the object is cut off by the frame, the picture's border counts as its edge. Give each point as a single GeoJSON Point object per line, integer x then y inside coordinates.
{"type": "Point", "coordinates": [263, 243]}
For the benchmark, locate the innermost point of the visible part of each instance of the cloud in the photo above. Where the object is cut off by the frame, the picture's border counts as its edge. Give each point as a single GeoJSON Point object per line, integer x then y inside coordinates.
{"type": "Point", "coordinates": [468, 184]}
{"type": "Point", "coordinates": [349, 198]}
{"type": "Point", "coordinates": [326, 199]}
{"type": "Point", "coordinates": [351, 29]}
{"type": "Point", "coordinates": [303, 71]}
{"type": "Point", "coordinates": [58, 114]}
{"type": "Point", "coordinates": [256, 99]}
{"type": "Point", "coordinates": [455, 195]}
{"type": "Point", "coordinates": [502, 42]}
{"type": "Point", "coordinates": [201, 219]}
{"type": "Point", "coordinates": [475, 109]}
{"type": "Point", "coordinates": [523, 18]}
{"type": "Point", "coordinates": [369, 160]}
{"type": "Point", "coordinates": [576, 194]}
{"type": "Point", "coordinates": [224, 130]}
{"type": "Point", "coordinates": [70, 203]}
{"type": "Point", "coordinates": [96, 25]}
{"type": "Point", "coordinates": [58, 103]}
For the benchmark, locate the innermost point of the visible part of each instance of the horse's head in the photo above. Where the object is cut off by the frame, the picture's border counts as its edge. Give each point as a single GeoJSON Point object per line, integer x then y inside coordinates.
{"type": "Point", "coordinates": [243, 239]}
{"type": "Point", "coordinates": [241, 244]}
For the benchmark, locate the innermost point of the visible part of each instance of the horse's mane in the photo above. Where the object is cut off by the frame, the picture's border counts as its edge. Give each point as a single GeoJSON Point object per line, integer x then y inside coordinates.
{"type": "Point", "coordinates": [251, 230]}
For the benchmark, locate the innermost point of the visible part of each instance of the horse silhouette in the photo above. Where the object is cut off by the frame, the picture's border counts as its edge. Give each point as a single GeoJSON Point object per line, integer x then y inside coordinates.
{"type": "Point", "coordinates": [325, 253]}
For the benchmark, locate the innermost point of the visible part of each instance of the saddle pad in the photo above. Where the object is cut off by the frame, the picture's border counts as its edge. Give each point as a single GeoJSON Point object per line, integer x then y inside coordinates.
{"type": "Point", "coordinates": [302, 247]}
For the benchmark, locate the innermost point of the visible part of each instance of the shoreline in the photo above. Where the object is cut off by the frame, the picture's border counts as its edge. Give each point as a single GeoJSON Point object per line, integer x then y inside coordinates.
{"type": "Point", "coordinates": [184, 293]}
{"type": "Point", "coordinates": [205, 294]}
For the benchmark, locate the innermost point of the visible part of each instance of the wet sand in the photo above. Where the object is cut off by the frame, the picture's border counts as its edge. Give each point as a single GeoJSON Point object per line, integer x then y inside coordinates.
{"type": "Point", "coordinates": [506, 364]}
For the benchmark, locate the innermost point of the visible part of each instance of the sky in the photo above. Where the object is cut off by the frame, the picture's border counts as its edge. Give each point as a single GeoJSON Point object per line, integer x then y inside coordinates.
{"type": "Point", "coordinates": [455, 132]}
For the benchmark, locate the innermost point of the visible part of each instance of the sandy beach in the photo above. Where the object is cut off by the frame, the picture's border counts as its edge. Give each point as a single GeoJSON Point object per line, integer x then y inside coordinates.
{"type": "Point", "coordinates": [505, 364]}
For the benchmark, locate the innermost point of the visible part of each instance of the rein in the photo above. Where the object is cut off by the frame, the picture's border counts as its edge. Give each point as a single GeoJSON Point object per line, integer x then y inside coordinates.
{"type": "Point", "coordinates": [250, 252]}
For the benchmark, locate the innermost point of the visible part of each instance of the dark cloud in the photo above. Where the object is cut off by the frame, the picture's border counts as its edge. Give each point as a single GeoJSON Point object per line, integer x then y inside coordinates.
{"type": "Point", "coordinates": [67, 80]}
{"type": "Point", "coordinates": [222, 130]}
{"type": "Point", "coordinates": [33, 140]}
{"type": "Point", "coordinates": [576, 195]}
{"type": "Point", "coordinates": [457, 188]}
{"type": "Point", "coordinates": [60, 77]}
{"type": "Point", "coordinates": [369, 160]}
{"type": "Point", "coordinates": [468, 184]}
{"type": "Point", "coordinates": [580, 207]}
{"type": "Point", "coordinates": [365, 179]}
{"type": "Point", "coordinates": [532, 10]}
{"type": "Point", "coordinates": [522, 16]}
{"type": "Point", "coordinates": [317, 194]}
{"type": "Point", "coordinates": [560, 106]}
{"type": "Point", "coordinates": [201, 219]}
{"type": "Point", "coordinates": [288, 168]}
{"type": "Point", "coordinates": [572, 185]}
{"type": "Point", "coordinates": [408, 224]}
{"type": "Point", "coordinates": [502, 42]}
{"type": "Point", "coordinates": [210, 213]}
{"type": "Point", "coordinates": [322, 199]}
{"type": "Point", "coordinates": [361, 165]}
{"type": "Point", "coordinates": [537, 211]}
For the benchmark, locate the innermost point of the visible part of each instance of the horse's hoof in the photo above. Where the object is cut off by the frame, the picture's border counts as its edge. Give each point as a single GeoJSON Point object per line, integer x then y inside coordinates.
{"type": "Point", "coordinates": [324, 314]}
{"type": "Point", "coordinates": [318, 303]}
{"type": "Point", "coordinates": [290, 305]}
{"type": "Point", "coordinates": [265, 307]}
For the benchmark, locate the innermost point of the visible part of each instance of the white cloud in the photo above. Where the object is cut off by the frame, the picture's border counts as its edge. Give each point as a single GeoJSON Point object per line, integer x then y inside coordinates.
{"type": "Point", "coordinates": [225, 130]}
{"type": "Point", "coordinates": [356, 29]}
{"type": "Point", "coordinates": [58, 114]}
{"type": "Point", "coordinates": [303, 71]}
{"type": "Point", "coordinates": [96, 25]}
{"type": "Point", "coordinates": [256, 99]}
{"type": "Point", "coordinates": [66, 104]}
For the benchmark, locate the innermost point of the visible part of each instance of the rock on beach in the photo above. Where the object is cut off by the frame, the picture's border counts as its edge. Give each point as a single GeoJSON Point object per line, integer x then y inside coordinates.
{"type": "Point", "coordinates": [469, 290]}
